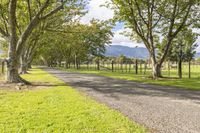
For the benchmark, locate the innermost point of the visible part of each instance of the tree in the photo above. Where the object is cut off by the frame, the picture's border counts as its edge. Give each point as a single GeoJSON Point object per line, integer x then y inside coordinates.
{"type": "Point", "coordinates": [66, 47]}
{"type": "Point", "coordinates": [11, 25]}
{"type": "Point", "coordinates": [183, 49]}
{"type": "Point", "coordinates": [156, 21]}
{"type": "Point", "coordinates": [190, 50]}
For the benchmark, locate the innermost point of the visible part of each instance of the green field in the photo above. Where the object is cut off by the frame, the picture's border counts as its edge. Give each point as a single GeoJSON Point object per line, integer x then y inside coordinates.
{"type": "Point", "coordinates": [55, 107]}
{"type": "Point", "coordinates": [169, 80]}
{"type": "Point", "coordinates": [166, 72]}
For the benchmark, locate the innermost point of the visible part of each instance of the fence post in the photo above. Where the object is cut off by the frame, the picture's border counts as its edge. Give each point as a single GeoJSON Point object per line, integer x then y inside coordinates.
{"type": "Point", "coordinates": [189, 71]}
{"type": "Point", "coordinates": [122, 67]}
{"type": "Point", "coordinates": [145, 67]}
{"type": "Point", "coordinates": [126, 67]}
{"type": "Point", "coordinates": [136, 66]}
{"type": "Point", "coordinates": [112, 66]}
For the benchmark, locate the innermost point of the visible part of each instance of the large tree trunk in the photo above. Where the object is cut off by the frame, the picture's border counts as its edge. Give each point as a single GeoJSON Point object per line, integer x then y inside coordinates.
{"type": "Point", "coordinates": [180, 61]}
{"type": "Point", "coordinates": [23, 68]}
{"type": "Point", "coordinates": [12, 71]}
{"type": "Point", "coordinates": [180, 68]}
{"type": "Point", "coordinates": [156, 70]}
{"type": "Point", "coordinates": [12, 68]}
{"type": "Point", "coordinates": [12, 61]}
{"type": "Point", "coordinates": [23, 64]}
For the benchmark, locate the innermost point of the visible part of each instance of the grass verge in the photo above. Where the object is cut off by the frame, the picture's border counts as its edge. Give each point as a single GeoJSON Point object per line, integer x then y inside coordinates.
{"type": "Point", "coordinates": [185, 83]}
{"type": "Point", "coordinates": [58, 108]}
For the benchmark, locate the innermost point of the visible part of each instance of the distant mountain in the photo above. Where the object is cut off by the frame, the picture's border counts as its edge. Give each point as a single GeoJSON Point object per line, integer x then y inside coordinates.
{"type": "Point", "coordinates": [117, 50]}
{"type": "Point", "coordinates": [142, 53]}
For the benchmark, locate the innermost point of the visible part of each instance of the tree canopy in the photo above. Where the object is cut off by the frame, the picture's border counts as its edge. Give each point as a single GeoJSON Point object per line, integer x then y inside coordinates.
{"type": "Point", "coordinates": [156, 22]}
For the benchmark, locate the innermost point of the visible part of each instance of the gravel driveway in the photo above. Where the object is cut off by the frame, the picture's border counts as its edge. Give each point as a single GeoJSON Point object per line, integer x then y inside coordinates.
{"type": "Point", "coordinates": [161, 109]}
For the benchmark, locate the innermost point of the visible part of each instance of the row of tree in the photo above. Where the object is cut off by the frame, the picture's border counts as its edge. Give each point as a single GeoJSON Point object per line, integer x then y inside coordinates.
{"type": "Point", "coordinates": [50, 31]}
{"type": "Point", "coordinates": [77, 43]}
{"type": "Point", "coordinates": [19, 19]}
{"type": "Point", "coordinates": [29, 28]}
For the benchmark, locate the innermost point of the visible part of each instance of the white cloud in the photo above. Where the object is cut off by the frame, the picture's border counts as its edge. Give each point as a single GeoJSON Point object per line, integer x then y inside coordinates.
{"type": "Point", "coordinates": [120, 39]}
{"type": "Point", "coordinates": [96, 11]}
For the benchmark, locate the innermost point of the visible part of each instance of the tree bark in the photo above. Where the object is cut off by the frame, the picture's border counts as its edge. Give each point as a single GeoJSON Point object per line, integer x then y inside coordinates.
{"type": "Point", "coordinates": [180, 61]}
{"type": "Point", "coordinates": [180, 68]}
{"type": "Point", "coordinates": [23, 69]}
{"type": "Point", "coordinates": [13, 61]}
{"type": "Point", "coordinates": [23, 63]}
{"type": "Point", "coordinates": [23, 66]}
{"type": "Point", "coordinates": [156, 70]}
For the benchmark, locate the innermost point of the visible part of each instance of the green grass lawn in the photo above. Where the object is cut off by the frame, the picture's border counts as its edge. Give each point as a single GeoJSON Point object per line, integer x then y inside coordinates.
{"type": "Point", "coordinates": [193, 84]}
{"type": "Point", "coordinates": [172, 72]}
{"type": "Point", "coordinates": [58, 109]}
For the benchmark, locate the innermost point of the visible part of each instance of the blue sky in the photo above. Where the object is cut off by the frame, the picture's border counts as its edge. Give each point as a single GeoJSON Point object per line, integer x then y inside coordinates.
{"type": "Point", "coordinates": [118, 26]}
{"type": "Point", "coordinates": [95, 10]}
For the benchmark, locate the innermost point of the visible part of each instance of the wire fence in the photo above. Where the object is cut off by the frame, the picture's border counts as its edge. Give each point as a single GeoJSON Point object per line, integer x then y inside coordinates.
{"type": "Point", "coordinates": [139, 67]}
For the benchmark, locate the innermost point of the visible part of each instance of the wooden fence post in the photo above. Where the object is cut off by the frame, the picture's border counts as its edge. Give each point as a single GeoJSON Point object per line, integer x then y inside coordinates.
{"type": "Point", "coordinates": [145, 67]}
{"type": "Point", "coordinates": [126, 67]}
{"type": "Point", "coordinates": [136, 66]}
{"type": "Point", "coordinates": [112, 66]}
{"type": "Point", "coordinates": [122, 67]}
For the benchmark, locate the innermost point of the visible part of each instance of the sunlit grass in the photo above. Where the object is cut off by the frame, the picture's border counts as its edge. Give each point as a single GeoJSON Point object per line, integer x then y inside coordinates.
{"type": "Point", "coordinates": [59, 108]}
{"type": "Point", "coordinates": [186, 83]}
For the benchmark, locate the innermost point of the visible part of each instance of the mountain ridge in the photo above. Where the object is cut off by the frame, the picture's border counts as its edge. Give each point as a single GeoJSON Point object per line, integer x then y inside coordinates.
{"type": "Point", "coordinates": [117, 50]}
{"type": "Point", "coordinates": [137, 52]}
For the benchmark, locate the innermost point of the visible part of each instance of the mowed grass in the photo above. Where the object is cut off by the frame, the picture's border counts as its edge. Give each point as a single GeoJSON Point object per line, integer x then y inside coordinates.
{"type": "Point", "coordinates": [59, 109]}
{"type": "Point", "coordinates": [185, 83]}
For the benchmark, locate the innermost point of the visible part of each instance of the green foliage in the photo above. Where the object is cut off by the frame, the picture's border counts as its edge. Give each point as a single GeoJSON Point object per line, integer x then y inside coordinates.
{"type": "Point", "coordinates": [75, 42]}
{"type": "Point", "coordinates": [184, 46]}
{"type": "Point", "coordinates": [58, 108]}
{"type": "Point", "coordinates": [156, 23]}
